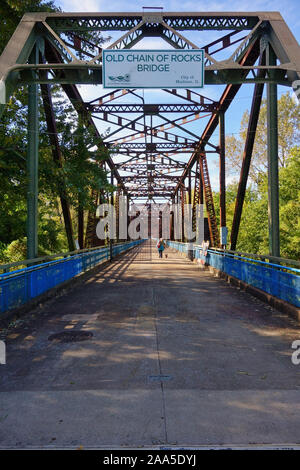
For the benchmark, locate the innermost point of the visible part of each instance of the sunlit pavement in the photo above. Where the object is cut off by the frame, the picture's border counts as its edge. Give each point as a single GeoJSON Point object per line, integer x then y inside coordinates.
{"type": "Point", "coordinates": [176, 357]}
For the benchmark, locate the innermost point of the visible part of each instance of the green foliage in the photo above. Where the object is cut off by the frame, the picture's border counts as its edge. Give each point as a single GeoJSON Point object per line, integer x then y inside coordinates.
{"type": "Point", "coordinates": [15, 251]}
{"type": "Point", "coordinates": [253, 234]}
{"type": "Point", "coordinates": [80, 172]}
{"type": "Point", "coordinates": [290, 206]}
{"type": "Point", "coordinates": [11, 12]}
{"type": "Point", "coordinates": [288, 137]}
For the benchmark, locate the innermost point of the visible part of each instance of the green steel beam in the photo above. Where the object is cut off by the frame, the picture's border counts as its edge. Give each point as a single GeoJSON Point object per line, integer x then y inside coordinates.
{"type": "Point", "coordinates": [273, 182]}
{"type": "Point", "coordinates": [32, 165]}
{"type": "Point", "coordinates": [17, 51]}
{"type": "Point", "coordinates": [247, 155]}
{"type": "Point", "coordinates": [124, 21]}
{"type": "Point", "coordinates": [286, 48]}
{"type": "Point", "coordinates": [93, 76]}
{"type": "Point", "coordinates": [222, 179]}
{"type": "Point", "coordinates": [22, 41]}
{"type": "Point", "coordinates": [58, 159]}
{"type": "Point", "coordinates": [227, 97]}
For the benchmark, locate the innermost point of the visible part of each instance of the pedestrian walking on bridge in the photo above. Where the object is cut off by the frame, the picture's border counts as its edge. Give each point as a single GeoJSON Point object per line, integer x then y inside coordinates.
{"type": "Point", "coordinates": [160, 247]}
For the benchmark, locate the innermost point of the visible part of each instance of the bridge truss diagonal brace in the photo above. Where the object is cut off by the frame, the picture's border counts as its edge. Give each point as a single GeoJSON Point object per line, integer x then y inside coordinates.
{"type": "Point", "coordinates": [52, 55]}
{"type": "Point", "coordinates": [17, 50]}
{"type": "Point", "coordinates": [227, 97]}
{"type": "Point", "coordinates": [123, 40]}
{"type": "Point", "coordinates": [180, 42]}
{"type": "Point", "coordinates": [57, 157]}
{"type": "Point", "coordinates": [285, 47]}
{"type": "Point", "coordinates": [32, 165]}
{"type": "Point", "coordinates": [247, 155]}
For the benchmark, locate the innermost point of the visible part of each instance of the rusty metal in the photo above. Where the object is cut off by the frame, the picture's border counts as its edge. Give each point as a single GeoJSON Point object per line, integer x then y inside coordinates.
{"type": "Point", "coordinates": [222, 170]}
{"type": "Point", "coordinates": [247, 154]}
{"type": "Point", "coordinates": [149, 109]}
{"type": "Point", "coordinates": [117, 209]}
{"type": "Point", "coordinates": [183, 202]}
{"type": "Point", "coordinates": [209, 201]}
{"type": "Point", "coordinates": [196, 198]}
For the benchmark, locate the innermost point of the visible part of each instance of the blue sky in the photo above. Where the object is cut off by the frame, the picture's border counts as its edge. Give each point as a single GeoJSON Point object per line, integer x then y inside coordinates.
{"type": "Point", "coordinates": [288, 9]}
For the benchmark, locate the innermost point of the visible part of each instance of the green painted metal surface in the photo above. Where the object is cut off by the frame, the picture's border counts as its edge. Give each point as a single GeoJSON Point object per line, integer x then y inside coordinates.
{"type": "Point", "coordinates": [273, 182]}
{"type": "Point", "coordinates": [32, 165]}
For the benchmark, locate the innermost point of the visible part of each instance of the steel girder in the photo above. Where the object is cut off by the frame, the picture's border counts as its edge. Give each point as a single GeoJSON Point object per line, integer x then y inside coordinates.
{"type": "Point", "coordinates": [247, 154]}
{"type": "Point", "coordinates": [58, 159]}
{"type": "Point", "coordinates": [153, 109]}
{"type": "Point", "coordinates": [153, 147]}
{"type": "Point", "coordinates": [79, 22]}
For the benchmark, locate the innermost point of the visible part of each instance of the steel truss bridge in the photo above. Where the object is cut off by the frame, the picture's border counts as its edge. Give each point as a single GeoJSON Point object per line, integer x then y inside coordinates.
{"type": "Point", "coordinates": [148, 142]}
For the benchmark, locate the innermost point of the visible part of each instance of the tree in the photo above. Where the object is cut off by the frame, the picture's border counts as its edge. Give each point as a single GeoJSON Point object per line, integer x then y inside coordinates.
{"type": "Point", "coordinates": [253, 233]}
{"type": "Point", "coordinates": [81, 170]}
{"type": "Point", "coordinates": [288, 136]}
{"type": "Point", "coordinates": [289, 178]}
{"type": "Point", "coordinates": [11, 12]}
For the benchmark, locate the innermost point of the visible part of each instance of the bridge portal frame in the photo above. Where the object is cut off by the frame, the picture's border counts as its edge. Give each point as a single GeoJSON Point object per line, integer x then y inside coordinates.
{"type": "Point", "coordinates": [49, 48]}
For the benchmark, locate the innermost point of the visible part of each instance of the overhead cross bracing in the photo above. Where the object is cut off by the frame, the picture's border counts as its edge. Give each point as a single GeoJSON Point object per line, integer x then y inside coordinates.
{"type": "Point", "coordinates": [164, 140]}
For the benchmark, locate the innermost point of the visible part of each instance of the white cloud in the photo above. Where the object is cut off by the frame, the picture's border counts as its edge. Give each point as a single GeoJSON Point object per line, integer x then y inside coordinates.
{"type": "Point", "coordinates": [81, 6]}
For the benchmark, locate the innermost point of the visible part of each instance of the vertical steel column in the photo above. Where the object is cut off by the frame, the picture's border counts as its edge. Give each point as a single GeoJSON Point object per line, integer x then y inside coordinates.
{"type": "Point", "coordinates": [117, 208]}
{"type": "Point", "coordinates": [80, 211]}
{"type": "Point", "coordinates": [149, 221]}
{"type": "Point", "coordinates": [247, 155]}
{"type": "Point", "coordinates": [100, 242]}
{"type": "Point", "coordinates": [32, 164]}
{"type": "Point", "coordinates": [222, 171]}
{"type": "Point", "coordinates": [201, 192]}
{"type": "Point", "coordinates": [58, 159]}
{"type": "Point", "coordinates": [172, 218]}
{"type": "Point", "coordinates": [177, 228]}
{"type": "Point", "coordinates": [273, 181]}
{"type": "Point", "coordinates": [80, 217]}
{"type": "Point", "coordinates": [128, 216]}
{"type": "Point", "coordinates": [111, 228]}
{"type": "Point", "coordinates": [160, 225]}
{"type": "Point", "coordinates": [190, 202]}
{"type": "Point", "coordinates": [182, 198]}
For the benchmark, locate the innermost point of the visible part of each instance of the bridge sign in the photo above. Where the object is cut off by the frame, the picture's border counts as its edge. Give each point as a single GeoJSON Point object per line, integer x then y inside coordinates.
{"type": "Point", "coordinates": [137, 68]}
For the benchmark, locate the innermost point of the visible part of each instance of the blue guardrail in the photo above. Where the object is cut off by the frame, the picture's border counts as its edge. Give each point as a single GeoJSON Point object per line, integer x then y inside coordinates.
{"type": "Point", "coordinates": [280, 281]}
{"type": "Point", "coordinates": [18, 287]}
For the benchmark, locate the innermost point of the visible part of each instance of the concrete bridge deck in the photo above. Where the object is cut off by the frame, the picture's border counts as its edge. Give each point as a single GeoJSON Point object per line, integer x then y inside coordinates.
{"type": "Point", "coordinates": [176, 357]}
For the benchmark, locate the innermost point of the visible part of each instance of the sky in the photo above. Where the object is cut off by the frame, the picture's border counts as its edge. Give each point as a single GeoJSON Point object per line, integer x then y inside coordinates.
{"type": "Point", "coordinates": [242, 101]}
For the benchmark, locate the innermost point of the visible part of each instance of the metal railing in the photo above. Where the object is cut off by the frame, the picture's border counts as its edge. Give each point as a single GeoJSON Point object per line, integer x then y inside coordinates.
{"type": "Point", "coordinates": [277, 279]}
{"type": "Point", "coordinates": [19, 286]}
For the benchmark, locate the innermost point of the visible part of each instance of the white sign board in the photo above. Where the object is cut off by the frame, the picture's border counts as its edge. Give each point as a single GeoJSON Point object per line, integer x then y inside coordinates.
{"type": "Point", "coordinates": [137, 68]}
